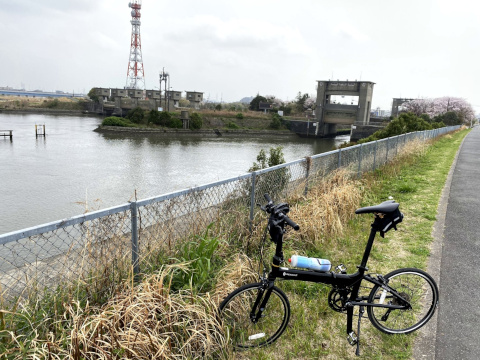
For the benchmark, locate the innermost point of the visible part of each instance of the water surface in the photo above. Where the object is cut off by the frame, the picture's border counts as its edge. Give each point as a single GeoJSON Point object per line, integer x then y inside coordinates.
{"type": "Point", "coordinates": [55, 177]}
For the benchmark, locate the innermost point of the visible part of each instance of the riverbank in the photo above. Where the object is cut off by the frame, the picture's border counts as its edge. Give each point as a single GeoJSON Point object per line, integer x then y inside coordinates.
{"type": "Point", "coordinates": [201, 133]}
{"type": "Point", "coordinates": [46, 111]}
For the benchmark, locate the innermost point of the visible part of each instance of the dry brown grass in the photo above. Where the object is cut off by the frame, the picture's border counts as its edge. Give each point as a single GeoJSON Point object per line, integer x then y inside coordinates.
{"type": "Point", "coordinates": [329, 206]}
{"type": "Point", "coordinates": [146, 322]}
{"type": "Point", "coordinates": [231, 114]}
{"type": "Point", "coordinates": [239, 271]}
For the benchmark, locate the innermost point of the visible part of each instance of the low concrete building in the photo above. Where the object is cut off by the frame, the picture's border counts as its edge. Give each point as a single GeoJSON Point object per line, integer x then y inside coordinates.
{"type": "Point", "coordinates": [119, 93]}
{"type": "Point", "coordinates": [174, 96]}
{"type": "Point", "coordinates": [153, 94]}
{"type": "Point", "coordinates": [136, 93]}
{"type": "Point", "coordinates": [195, 97]}
{"type": "Point", "coordinates": [102, 93]}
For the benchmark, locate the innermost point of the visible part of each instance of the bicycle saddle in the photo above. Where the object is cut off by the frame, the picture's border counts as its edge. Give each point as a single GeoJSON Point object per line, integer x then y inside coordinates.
{"type": "Point", "coordinates": [386, 207]}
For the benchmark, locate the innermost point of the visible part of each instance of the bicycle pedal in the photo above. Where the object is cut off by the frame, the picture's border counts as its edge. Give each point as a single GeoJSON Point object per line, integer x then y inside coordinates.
{"type": "Point", "coordinates": [352, 338]}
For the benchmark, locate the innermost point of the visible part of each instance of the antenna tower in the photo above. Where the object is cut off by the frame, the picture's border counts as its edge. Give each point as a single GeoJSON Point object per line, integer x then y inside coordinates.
{"type": "Point", "coordinates": [135, 74]}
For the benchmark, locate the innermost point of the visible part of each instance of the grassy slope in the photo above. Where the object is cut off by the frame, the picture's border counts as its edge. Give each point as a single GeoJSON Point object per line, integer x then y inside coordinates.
{"type": "Point", "coordinates": [416, 182]}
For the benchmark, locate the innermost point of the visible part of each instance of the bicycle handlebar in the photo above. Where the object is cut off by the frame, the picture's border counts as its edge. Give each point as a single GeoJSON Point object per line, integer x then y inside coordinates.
{"type": "Point", "coordinates": [279, 212]}
{"type": "Point", "coordinates": [293, 224]}
{"type": "Point", "coordinates": [267, 197]}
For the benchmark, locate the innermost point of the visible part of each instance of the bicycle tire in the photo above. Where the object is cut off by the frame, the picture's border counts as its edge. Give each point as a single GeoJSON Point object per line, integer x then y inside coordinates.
{"type": "Point", "coordinates": [414, 285]}
{"type": "Point", "coordinates": [243, 332]}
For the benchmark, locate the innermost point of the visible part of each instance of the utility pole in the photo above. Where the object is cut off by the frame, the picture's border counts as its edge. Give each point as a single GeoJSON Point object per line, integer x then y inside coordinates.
{"type": "Point", "coordinates": [165, 77]}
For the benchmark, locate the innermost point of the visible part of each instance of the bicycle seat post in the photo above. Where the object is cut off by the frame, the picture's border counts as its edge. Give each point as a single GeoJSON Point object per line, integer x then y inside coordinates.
{"type": "Point", "coordinates": [368, 249]}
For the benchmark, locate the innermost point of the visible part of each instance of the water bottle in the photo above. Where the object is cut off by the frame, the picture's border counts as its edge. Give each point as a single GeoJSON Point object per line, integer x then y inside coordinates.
{"type": "Point", "coordinates": [321, 265]}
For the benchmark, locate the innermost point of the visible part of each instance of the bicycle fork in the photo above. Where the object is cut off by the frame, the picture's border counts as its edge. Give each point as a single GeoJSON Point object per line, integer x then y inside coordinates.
{"type": "Point", "coordinates": [261, 301]}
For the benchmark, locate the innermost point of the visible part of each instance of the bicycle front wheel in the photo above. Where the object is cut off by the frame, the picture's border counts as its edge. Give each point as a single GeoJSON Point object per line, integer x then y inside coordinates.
{"type": "Point", "coordinates": [236, 312]}
{"type": "Point", "coordinates": [416, 288]}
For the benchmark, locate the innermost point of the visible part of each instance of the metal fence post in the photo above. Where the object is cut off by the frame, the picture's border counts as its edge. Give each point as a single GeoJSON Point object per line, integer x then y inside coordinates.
{"type": "Point", "coordinates": [252, 200]}
{"type": "Point", "coordinates": [386, 153]}
{"type": "Point", "coordinates": [375, 155]}
{"type": "Point", "coordinates": [308, 160]}
{"type": "Point", "coordinates": [359, 160]}
{"type": "Point", "coordinates": [339, 159]}
{"type": "Point", "coordinates": [134, 216]}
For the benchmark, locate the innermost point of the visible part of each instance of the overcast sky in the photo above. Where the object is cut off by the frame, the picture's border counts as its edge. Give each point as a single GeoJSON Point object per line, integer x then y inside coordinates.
{"type": "Point", "coordinates": [233, 49]}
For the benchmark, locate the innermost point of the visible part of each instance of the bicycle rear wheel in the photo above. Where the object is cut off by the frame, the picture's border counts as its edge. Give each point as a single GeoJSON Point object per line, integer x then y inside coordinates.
{"type": "Point", "coordinates": [244, 333]}
{"type": "Point", "coordinates": [417, 288]}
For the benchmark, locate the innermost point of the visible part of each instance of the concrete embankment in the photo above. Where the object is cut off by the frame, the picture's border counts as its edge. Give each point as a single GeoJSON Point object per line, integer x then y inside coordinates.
{"type": "Point", "coordinates": [200, 133]}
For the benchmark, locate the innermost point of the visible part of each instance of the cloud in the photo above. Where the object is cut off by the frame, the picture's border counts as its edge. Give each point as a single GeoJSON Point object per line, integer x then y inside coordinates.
{"type": "Point", "coordinates": [36, 7]}
{"type": "Point", "coordinates": [240, 35]}
{"type": "Point", "coordinates": [348, 31]}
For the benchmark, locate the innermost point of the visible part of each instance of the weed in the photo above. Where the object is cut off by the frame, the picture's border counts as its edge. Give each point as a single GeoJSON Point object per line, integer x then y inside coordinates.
{"type": "Point", "coordinates": [200, 261]}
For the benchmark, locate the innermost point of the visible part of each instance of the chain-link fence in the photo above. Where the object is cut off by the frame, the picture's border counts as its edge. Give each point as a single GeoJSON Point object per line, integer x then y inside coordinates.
{"type": "Point", "coordinates": [92, 253]}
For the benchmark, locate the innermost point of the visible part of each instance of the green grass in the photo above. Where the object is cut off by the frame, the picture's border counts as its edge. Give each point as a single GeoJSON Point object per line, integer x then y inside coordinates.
{"type": "Point", "coordinates": [416, 182]}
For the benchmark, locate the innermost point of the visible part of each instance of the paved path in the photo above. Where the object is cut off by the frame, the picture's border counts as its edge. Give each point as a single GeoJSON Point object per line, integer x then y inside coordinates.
{"type": "Point", "coordinates": [458, 329]}
{"type": "Point", "coordinates": [454, 333]}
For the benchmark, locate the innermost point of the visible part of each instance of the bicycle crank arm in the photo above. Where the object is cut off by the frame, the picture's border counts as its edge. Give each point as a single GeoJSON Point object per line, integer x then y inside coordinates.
{"type": "Point", "coordinates": [386, 315]}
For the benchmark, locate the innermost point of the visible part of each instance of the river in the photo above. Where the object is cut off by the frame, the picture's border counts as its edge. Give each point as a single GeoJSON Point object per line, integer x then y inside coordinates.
{"type": "Point", "coordinates": [73, 168]}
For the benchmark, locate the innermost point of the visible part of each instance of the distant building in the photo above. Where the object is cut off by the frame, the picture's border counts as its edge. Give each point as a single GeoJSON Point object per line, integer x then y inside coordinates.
{"type": "Point", "coordinates": [195, 97]}
{"type": "Point", "coordinates": [102, 93]}
{"type": "Point", "coordinates": [119, 93]}
{"type": "Point", "coordinates": [136, 93]}
{"type": "Point", "coordinates": [153, 94]}
{"type": "Point", "coordinates": [380, 113]}
{"type": "Point", "coordinates": [174, 96]}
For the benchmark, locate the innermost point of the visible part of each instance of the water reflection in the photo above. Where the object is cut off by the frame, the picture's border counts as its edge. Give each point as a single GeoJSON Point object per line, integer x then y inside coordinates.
{"type": "Point", "coordinates": [43, 179]}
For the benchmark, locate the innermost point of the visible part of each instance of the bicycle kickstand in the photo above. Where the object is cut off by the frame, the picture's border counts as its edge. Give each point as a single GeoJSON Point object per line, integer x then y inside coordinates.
{"type": "Point", "coordinates": [361, 311]}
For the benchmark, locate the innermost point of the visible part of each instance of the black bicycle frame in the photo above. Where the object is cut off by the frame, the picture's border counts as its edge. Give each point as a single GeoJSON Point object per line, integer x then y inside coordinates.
{"type": "Point", "coordinates": [351, 281]}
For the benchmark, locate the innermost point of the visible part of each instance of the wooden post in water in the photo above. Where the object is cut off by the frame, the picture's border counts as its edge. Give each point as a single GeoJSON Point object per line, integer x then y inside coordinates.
{"type": "Point", "coordinates": [38, 131]}
{"type": "Point", "coordinates": [6, 133]}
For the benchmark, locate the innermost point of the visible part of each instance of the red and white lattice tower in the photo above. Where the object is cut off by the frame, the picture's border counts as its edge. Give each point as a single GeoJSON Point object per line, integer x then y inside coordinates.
{"type": "Point", "coordinates": [135, 74]}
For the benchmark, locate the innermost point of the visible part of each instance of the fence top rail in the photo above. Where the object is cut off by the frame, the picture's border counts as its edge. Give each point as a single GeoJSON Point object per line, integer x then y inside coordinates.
{"type": "Point", "coordinates": [178, 193]}
{"type": "Point", "coordinates": [59, 224]}
{"type": "Point", "coordinates": [276, 167]}
{"type": "Point", "coordinates": [317, 156]}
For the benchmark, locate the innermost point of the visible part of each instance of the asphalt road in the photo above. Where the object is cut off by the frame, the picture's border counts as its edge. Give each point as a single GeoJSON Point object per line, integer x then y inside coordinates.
{"type": "Point", "coordinates": [454, 333]}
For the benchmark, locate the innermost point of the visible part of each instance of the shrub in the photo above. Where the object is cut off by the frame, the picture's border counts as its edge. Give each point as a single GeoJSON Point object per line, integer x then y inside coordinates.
{"type": "Point", "coordinates": [116, 121]}
{"type": "Point", "coordinates": [136, 115]}
{"type": "Point", "coordinates": [276, 122]}
{"type": "Point", "coordinates": [154, 117]}
{"type": "Point", "coordinates": [239, 116]}
{"type": "Point", "coordinates": [404, 123]}
{"type": "Point", "coordinates": [196, 121]}
{"type": "Point", "coordinates": [164, 118]}
{"type": "Point", "coordinates": [232, 125]}
{"type": "Point", "coordinates": [52, 104]}
{"type": "Point", "coordinates": [175, 123]}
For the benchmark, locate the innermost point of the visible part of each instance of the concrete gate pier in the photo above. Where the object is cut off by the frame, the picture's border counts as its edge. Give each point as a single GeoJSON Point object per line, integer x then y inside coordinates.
{"type": "Point", "coordinates": [328, 114]}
